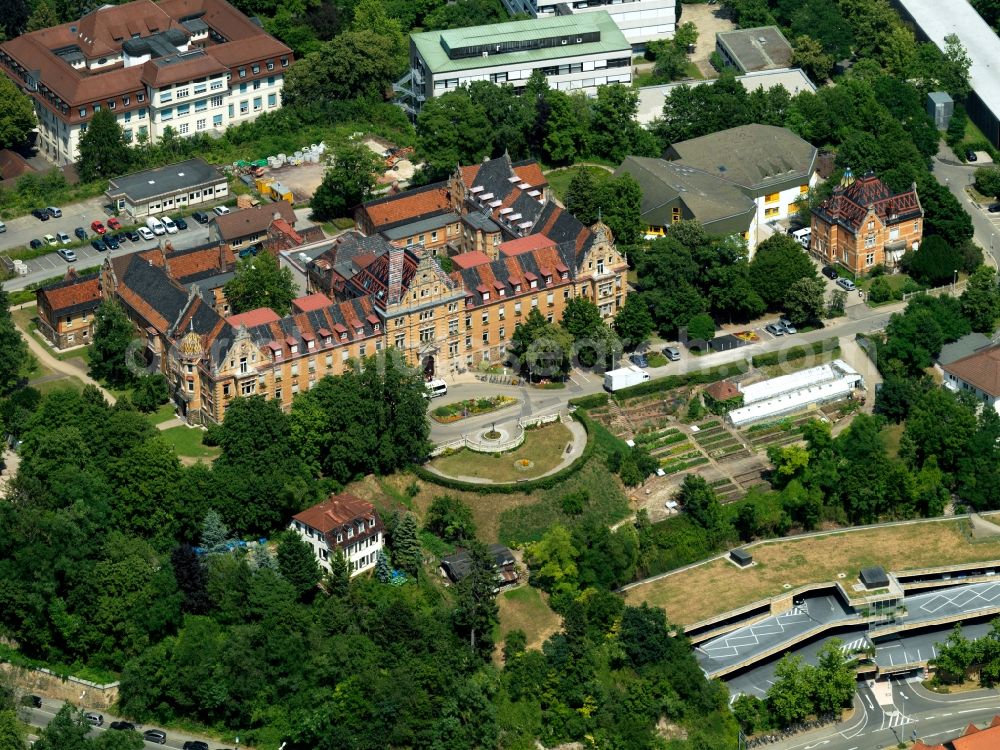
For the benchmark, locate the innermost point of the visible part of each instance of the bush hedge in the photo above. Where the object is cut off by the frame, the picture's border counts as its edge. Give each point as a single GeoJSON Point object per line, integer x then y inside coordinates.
{"type": "Point", "coordinates": [593, 401]}
{"type": "Point", "coordinates": [796, 352]}
{"type": "Point", "coordinates": [526, 487]}
{"type": "Point", "coordinates": [677, 381]}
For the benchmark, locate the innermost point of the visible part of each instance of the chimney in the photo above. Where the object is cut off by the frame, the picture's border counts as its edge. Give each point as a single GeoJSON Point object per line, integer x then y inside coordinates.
{"type": "Point", "coordinates": [395, 273]}
{"type": "Point", "coordinates": [222, 256]}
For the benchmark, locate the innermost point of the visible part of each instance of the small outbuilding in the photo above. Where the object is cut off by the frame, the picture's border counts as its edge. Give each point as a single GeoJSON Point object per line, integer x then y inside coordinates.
{"type": "Point", "coordinates": [457, 566]}
{"type": "Point", "coordinates": [741, 557]}
{"type": "Point", "coordinates": [169, 188]}
{"type": "Point", "coordinates": [874, 577]}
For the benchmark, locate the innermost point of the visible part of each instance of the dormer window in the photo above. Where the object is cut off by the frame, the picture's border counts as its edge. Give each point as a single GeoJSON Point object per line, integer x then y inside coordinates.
{"type": "Point", "coordinates": [340, 538]}
{"type": "Point", "coordinates": [486, 296]}
{"type": "Point", "coordinates": [376, 326]}
{"type": "Point", "coordinates": [534, 284]}
{"type": "Point", "coordinates": [343, 336]}
{"type": "Point", "coordinates": [548, 279]}
{"type": "Point", "coordinates": [517, 288]}
{"type": "Point", "coordinates": [277, 353]}
{"type": "Point", "coordinates": [328, 340]}
{"type": "Point", "coordinates": [359, 331]}
{"type": "Point", "coordinates": [310, 344]}
{"type": "Point", "coordinates": [501, 292]}
{"type": "Point", "coordinates": [371, 522]}
{"type": "Point", "coordinates": [293, 349]}
{"type": "Point", "coordinates": [350, 532]}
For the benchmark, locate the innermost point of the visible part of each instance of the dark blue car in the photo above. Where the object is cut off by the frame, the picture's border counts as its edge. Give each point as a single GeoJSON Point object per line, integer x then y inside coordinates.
{"type": "Point", "coordinates": [81, 233]}
{"type": "Point", "coordinates": [98, 245]}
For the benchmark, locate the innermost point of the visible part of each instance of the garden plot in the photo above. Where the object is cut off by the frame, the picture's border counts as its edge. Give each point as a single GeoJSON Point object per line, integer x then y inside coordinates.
{"type": "Point", "coordinates": [782, 432]}
{"type": "Point", "coordinates": [672, 448]}
{"type": "Point", "coordinates": [719, 443]}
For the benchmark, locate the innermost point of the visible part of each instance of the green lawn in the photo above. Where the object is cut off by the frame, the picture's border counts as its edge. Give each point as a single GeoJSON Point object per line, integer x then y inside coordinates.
{"type": "Point", "coordinates": [25, 320]}
{"type": "Point", "coordinates": [187, 442]}
{"type": "Point", "coordinates": [545, 447]}
{"type": "Point", "coordinates": [559, 179]}
{"type": "Point", "coordinates": [527, 609]}
{"type": "Point", "coordinates": [162, 414]}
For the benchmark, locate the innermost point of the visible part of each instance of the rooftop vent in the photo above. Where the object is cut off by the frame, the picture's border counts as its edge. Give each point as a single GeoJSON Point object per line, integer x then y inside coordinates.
{"type": "Point", "coordinates": [761, 39]}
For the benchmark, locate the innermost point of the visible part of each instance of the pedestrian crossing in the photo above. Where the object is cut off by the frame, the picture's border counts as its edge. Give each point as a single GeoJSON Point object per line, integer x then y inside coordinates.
{"type": "Point", "coordinates": [895, 719]}
{"type": "Point", "coordinates": [858, 644]}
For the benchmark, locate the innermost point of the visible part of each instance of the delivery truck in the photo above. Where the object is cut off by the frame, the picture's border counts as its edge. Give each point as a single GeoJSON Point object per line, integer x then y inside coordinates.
{"type": "Point", "coordinates": [623, 377]}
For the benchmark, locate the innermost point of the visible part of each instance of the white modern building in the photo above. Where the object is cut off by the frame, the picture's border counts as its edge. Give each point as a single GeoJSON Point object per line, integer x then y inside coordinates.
{"type": "Point", "coordinates": [175, 186]}
{"type": "Point", "coordinates": [191, 65]}
{"type": "Point", "coordinates": [342, 522]}
{"type": "Point", "coordinates": [791, 393]}
{"type": "Point", "coordinates": [575, 53]}
{"type": "Point", "coordinates": [640, 21]}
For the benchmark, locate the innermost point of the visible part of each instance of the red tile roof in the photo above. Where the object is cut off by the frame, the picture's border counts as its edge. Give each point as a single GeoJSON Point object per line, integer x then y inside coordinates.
{"type": "Point", "coordinates": [849, 204]}
{"type": "Point", "coordinates": [252, 318]}
{"type": "Point", "coordinates": [469, 260]}
{"type": "Point", "coordinates": [407, 206]}
{"type": "Point", "coordinates": [975, 738]}
{"type": "Point", "coordinates": [335, 511]}
{"type": "Point", "coordinates": [525, 244]}
{"type": "Point", "coordinates": [980, 369]}
{"type": "Point", "coordinates": [249, 221]}
{"type": "Point", "coordinates": [311, 302]}
{"type": "Point", "coordinates": [84, 291]}
{"type": "Point", "coordinates": [722, 390]}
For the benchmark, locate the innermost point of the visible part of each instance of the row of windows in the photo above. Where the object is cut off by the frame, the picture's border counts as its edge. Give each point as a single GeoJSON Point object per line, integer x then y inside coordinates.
{"type": "Point", "coordinates": [126, 100]}
{"type": "Point", "coordinates": [255, 68]}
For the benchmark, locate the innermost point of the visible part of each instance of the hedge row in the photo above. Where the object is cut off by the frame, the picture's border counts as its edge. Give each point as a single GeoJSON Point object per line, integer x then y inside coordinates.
{"type": "Point", "coordinates": [677, 381]}
{"type": "Point", "coordinates": [796, 352]}
{"type": "Point", "coordinates": [528, 486]}
{"type": "Point", "coordinates": [593, 401]}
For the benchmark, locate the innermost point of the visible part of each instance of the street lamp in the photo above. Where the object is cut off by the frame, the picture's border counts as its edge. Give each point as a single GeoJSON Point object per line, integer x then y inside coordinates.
{"type": "Point", "coordinates": [954, 280]}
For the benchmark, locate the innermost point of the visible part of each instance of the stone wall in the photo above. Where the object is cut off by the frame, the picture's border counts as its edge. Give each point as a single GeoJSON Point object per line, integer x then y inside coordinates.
{"type": "Point", "coordinates": [79, 692]}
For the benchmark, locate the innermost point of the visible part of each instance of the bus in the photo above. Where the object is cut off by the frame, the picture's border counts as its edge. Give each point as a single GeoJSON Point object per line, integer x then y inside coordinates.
{"type": "Point", "coordinates": [436, 388]}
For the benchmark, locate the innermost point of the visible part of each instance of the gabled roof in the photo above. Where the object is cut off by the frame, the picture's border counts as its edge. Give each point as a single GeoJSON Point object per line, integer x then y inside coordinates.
{"type": "Point", "coordinates": [254, 220]}
{"type": "Point", "coordinates": [251, 318]}
{"type": "Point", "coordinates": [981, 369]}
{"type": "Point", "coordinates": [336, 511]}
{"type": "Point", "coordinates": [975, 738]}
{"type": "Point", "coordinates": [409, 206]}
{"type": "Point", "coordinates": [507, 272]}
{"type": "Point", "coordinates": [850, 203]}
{"type": "Point", "coordinates": [469, 260]}
{"type": "Point", "coordinates": [72, 295]}
{"type": "Point", "coordinates": [459, 564]}
{"type": "Point", "coordinates": [525, 244]}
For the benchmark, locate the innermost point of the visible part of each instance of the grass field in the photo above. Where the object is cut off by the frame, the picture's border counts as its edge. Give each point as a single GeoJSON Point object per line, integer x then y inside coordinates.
{"type": "Point", "coordinates": [545, 447]}
{"type": "Point", "coordinates": [164, 413]}
{"type": "Point", "coordinates": [718, 586]}
{"type": "Point", "coordinates": [559, 179]}
{"type": "Point", "coordinates": [526, 608]}
{"type": "Point", "coordinates": [187, 442]}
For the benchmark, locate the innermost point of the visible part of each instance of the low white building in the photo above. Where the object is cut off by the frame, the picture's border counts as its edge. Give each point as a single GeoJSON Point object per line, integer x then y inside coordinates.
{"type": "Point", "coordinates": [574, 53]}
{"type": "Point", "coordinates": [640, 21]}
{"type": "Point", "coordinates": [791, 393]}
{"type": "Point", "coordinates": [342, 522]}
{"type": "Point", "coordinates": [169, 188]}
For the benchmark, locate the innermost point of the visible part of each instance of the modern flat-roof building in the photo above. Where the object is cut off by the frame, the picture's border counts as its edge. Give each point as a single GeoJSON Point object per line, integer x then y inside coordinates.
{"type": "Point", "coordinates": [640, 21]}
{"type": "Point", "coordinates": [575, 53]}
{"type": "Point", "coordinates": [760, 48]}
{"type": "Point", "coordinates": [934, 20]}
{"type": "Point", "coordinates": [787, 394]}
{"type": "Point", "coordinates": [191, 65]}
{"type": "Point", "coordinates": [152, 191]}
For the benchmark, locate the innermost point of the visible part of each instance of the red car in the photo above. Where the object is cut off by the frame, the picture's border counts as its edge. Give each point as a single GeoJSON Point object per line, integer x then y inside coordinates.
{"type": "Point", "coordinates": [98, 227]}
{"type": "Point", "coordinates": [114, 224]}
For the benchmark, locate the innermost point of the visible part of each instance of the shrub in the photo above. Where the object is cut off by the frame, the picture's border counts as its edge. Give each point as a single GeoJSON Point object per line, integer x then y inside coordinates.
{"type": "Point", "coordinates": [880, 290]}
{"type": "Point", "coordinates": [796, 352]}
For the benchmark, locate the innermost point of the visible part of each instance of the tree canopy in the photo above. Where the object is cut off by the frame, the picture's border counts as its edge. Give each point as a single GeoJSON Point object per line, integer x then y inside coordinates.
{"type": "Point", "coordinates": [260, 281]}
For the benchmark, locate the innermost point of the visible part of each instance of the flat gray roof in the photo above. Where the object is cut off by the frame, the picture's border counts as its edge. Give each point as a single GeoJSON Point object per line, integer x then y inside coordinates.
{"type": "Point", "coordinates": [651, 98]}
{"type": "Point", "coordinates": [140, 187]}
{"type": "Point", "coordinates": [424, 225]}
{"type": "Point", "coordinates": [760, 48]}
{"type": "Point", "coordinates": [938, 19]}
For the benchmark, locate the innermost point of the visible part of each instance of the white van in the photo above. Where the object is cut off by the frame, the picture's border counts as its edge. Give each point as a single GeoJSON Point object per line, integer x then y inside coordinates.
{"type": "Point", "coordinates": [169, 225]}
{"type": "Point", "coordinates": [802, 236]}
{"type": "Point", "coordinates": [156, 225]}
{"type": "Point", "coordinates": [436, 388]}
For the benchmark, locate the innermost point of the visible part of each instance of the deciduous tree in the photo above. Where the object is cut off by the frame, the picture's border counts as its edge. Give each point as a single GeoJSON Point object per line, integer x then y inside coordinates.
{"type": "Point", "coordinates": [348, 182]}
{"type": "Point", "coordinates": [103, 152]}
{"type": "Point", "coordinates": [112, 345]}
{"type": "Point", "coordinates": [633, 323]}
{"type": "Point", "coordinates": [260, 281]}
{"type": "Point", "coordinates": [778, 263]}
{"type": "Point", "coordinates": [981, 300]}
{"type": "Point", "coordinates": [804, 300]}
{"type": "Point", "coordinates": [451, 519]}
{"type": "Point", "coordinates": [17, 114]}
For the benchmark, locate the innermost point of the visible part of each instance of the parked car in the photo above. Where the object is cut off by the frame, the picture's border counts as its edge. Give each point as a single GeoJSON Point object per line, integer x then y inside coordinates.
{"type": "Point", "coordinates": [40, 214]}
{"type": "Point", "coordinates": [98, 244]}
{"type": "Point", "coordinates": [98, 227]}
{"type": "Point", "coordinates": [155, 735]}
{"type": "Point", "coordinates": [67, 255]}
{"type": "Point", "coordinates": [195, 745]}
{"type": "Point", "coordinates": [993, 208]}
{"type": "Point", "coordinates": [133, 235]}
{"type": "Point", "coordinates": [846, 284]}
{"type": "Point", "coordinates": [94, 719]}
{"type": "Point", "coordinates": [122, 236]}
{"type": "Point", "coordinates": [169, 225]}
{"type": "Point", "coordinates": [81, 233]}
{"type": "Point", "coordinates": [830, 272]}
{"type": "Point", "coordinates": [970, 155]}
{"type": "Point", "coordinates": [3, 227]}
{"type": "Point", "coordinates": [122, 726]}
{"type": "Point", "coordinates": [639, 360]}
{"type": "Point", "coordinates": [181, 224]}
{"type": "Point", "coordinates": [156, 225]}
{"type": "Point", "coordinates": [221, 210]}
{"type": "Point", "coordinates": [50, 239]}
{"type": "Point", "coordinates": [31, 700]}
{"type": "Point", "coordinates": [774, 329]}
{"type": "Point", "coordinates": [35, 244]}
{"type": "Point", "coordinates": [63, 237]}
{"type": "Point", "coordinates": [200, 216]}
{"type": "Point", "coordinates": [672, 353]}
{"type": "Point", "coordinates": [111, 242]}
{"type": "Point", "coordinates": [113, 223]}
{"type": "Point", "coordinates": [145, 234]}
{"type": "Point", "coordinates": [54, 212]}
{"type": "Point", "coordinates": [787, 325]}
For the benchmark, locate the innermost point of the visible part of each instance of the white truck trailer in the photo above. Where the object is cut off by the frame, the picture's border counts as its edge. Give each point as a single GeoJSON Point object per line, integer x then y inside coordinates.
{"type": "Point", "coordinates": [623, 377]}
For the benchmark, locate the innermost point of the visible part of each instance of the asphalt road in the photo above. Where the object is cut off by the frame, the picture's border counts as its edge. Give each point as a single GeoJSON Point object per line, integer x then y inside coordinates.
{"type": "Point", "coordinates": [40, 717]}
{"type": "Point", "coordinates": [957, 177]}
{"type": "Point", "coordinates": [861, 319]}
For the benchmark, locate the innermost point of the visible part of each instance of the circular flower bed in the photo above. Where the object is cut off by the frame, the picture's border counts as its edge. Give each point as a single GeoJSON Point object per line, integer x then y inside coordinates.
{"type": "Point", "coordinates": [523, 464]}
